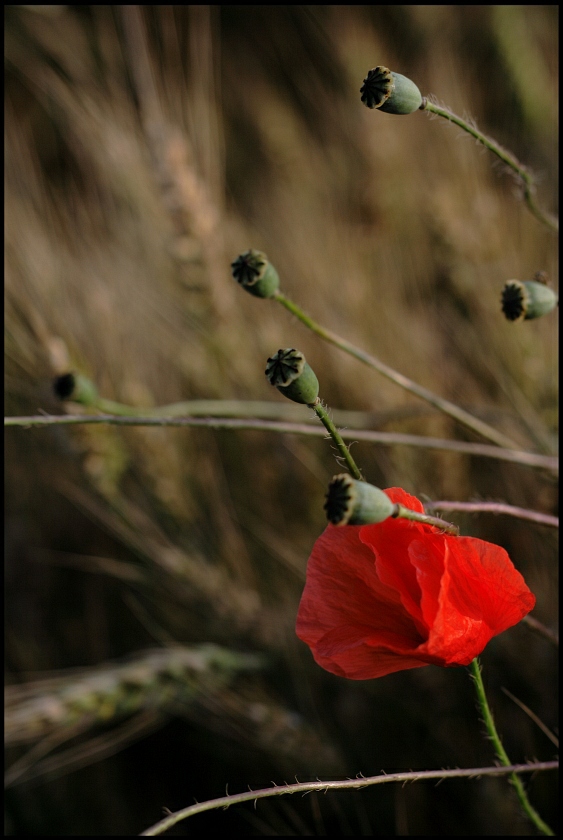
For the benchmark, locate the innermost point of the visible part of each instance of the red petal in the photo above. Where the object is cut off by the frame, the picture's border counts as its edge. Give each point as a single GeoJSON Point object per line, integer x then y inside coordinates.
{"type": "Point", "coordinates": [397, 494]}
{"type": "Point", "coordinates": [345, 610]}
{"type": "Point", "coordinates": [482, 595]}
{"type": "Point", "coordinates": [399, 595]}
{"type": "Point", "coordinates": [390, 541]}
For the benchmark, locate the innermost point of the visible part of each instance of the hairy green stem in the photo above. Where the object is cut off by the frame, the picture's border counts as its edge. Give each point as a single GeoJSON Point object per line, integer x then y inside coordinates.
{"type": "Point", "coordinates": [473, 423]}
{"type": "Point", "coordinates": [526, 178]}
{"type": "Point", "coordinates": [400, 510]}
{"type": "Point", "coordinates": [416, 516]}
{"type": "Point", "coordinates": [501, 752]}
{"type": "Point", "coordinates": [323, 416]}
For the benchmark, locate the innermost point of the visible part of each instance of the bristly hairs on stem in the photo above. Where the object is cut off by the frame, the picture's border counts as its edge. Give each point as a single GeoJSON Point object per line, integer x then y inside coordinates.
{"type": "Point", "coordinates": [528, 182]}
{"type": "Point", "coordinates": [494, 737]}
{"type": "Point", "coordinates": [343, 784]}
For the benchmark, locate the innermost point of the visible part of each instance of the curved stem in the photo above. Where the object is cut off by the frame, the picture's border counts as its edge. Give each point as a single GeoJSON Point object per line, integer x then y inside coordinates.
{"type": "Point", "coordinates": [359, 782]}
{"type": "Point", "coordinates": [501, 752]}
{"type": "Point", "coordinates": [473, 423]}
{"type": "Point", "coordinates": [526, 178]}
{"type": "Point", "coordinates": [323, 416]}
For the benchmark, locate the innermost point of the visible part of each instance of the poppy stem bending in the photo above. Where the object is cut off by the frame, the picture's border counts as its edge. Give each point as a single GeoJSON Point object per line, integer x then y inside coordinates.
{"type": "Point", "coordinates": [527, 180]}
{"type": "Point", "coordinates": [323, 416]}
{"type": "Point", "coordinates": [415, 516]}
{"type": "Point", "coordinates": [489, 722]}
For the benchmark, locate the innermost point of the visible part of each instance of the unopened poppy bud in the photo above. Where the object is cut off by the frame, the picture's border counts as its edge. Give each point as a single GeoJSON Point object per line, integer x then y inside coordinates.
{"type": "Point", "coordinates": [75, 387]}
{"type": "Point", "coordinates": [256, 274]}
{"type": "Point", "coordinates": [292, 376]}
{"type": "Point", "coordinates": [351, 502]}
{"type": "Point", "coordinates": [390, 92]}
{"type": "Point", "coordinates": [527, 300]}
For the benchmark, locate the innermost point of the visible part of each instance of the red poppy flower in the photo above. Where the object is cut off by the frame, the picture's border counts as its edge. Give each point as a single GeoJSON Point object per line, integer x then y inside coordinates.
{"type": "Point", "coordinates": [400, 594]}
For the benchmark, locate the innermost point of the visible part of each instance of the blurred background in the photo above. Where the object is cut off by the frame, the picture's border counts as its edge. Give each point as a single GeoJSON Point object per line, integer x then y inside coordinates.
{"type": "Point", "coordinates": [145, 148]}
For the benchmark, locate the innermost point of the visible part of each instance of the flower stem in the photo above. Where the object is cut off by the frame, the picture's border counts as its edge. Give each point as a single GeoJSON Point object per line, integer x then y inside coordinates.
{"type": "Point", "coordinates": [416, 516]}
{"type": "Point", "coordinates": [526, 178]}
{"type": "Point", "coordinates": [473, 423]}
{"type": "Point", "coordinates": [261, 409]}
{"type": "Point", "coordinates": [323, 416]}
{"type": "Point", "coordinates": [501, 752]}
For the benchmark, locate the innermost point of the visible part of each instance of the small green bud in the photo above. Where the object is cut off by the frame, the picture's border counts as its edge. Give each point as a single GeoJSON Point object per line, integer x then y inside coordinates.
{"type": "Point", "coordinates": [527, 300]}
{"type": "Point", "coordinates": [256, 274]}
{"type": "Point", "coordinates": [352, 502]}
{"type": "Point", "coordinates": [75, 387]}
{"type": "Point", "coordinates": [292, 376]}
{"type": "Point", "coordinates": [390, 92]}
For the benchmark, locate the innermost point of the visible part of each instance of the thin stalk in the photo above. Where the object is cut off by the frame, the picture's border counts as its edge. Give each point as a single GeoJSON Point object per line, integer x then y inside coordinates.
{"type": "Point", "coordinates": [323, 416]}
{"type": "Point", "coordinates": [524, 175]}
{"type": "Point", "coordinates": [223, 408]}
{"type": "Point", "coordinates": [400, 510]}
{"type": "Point", "coordinates": [416, 516]}
{"type": "Point", "coordinates": [497, 508]}
{"type": "Point", "coordinates": [358, 783]}
{"type": "Point", "coordinates": [501, 752]}
{"type": "Point", "coordinates": [244, 423]}
{"type": "Point", "coordinates": [463, 417]}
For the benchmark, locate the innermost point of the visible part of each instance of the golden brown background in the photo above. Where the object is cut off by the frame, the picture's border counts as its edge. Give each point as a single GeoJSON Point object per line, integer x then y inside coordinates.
{"type": "Point", "coordinates": [145, 148]}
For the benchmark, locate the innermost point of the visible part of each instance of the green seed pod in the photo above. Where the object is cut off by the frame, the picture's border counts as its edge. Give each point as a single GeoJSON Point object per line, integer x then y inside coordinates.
{"type": "Point", "coordinates": [75, 387]}
{"type": "Point", "coordinates": [527, 300]}
{"type": "Point", "coordinates": [256, 274]}
{"type": "Point", "coordinates": [390, 92]}
{"type": "Point", "coordinates": [292, 376]}
{"type": "Point", "coordinates": [351, 502]}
